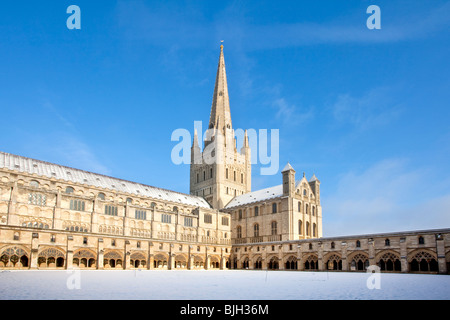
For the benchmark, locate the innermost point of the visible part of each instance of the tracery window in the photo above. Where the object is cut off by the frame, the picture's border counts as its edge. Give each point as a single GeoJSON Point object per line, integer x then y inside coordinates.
{"type": "Point", "coordinates": [111, 210]}
{"type": "Point", "coordinates": [78, 205]}
{"type": "Point", "coordinates": [274, 227]}
{"type": "Point", "coordinates": [37, 199]}
{"type": "Point", "coordinates": [256, 230]}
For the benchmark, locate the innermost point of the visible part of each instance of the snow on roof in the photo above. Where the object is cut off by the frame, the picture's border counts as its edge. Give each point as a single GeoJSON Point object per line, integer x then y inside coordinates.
{"type": "Point", "coordinates": [51, 170]}
{"type": "Point", "coordinates": [255, 196]}
{"type": "Point", "coordinates": [287, 167]}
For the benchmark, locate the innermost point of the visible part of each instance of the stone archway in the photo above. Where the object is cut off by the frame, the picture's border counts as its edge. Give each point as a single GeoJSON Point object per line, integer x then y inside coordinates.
{"type": "Point", "coordinates": [389, 261]}
{"type": "Point", "coordinates": [51, 258]}
{"type": "Point", "coordinates": [84, 258]}
{"type": "Point", "coordinates": [14, 257]}
{"type": "Point", "coordinates": [423, 260]}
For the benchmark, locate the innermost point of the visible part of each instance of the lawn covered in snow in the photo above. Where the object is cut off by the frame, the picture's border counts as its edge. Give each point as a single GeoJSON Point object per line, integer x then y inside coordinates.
{"type": "Point", "coordinates": [219, 285]}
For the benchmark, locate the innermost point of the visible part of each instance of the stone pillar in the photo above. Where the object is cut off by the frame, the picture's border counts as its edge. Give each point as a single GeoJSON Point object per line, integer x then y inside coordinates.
{"type": "Point", "coordinates": [371, 251]}
{"type": "Point", "coordinates": [403, 255]}
{"type": "Point", "coordinates": [127, 254]}
{"type": "Point", "coordinates": [100, 253]}
{"type": "Point", "coordinates": [264, 258]}
{"type": "Point", "coordinates": [69, 250]}
{"type": "Point", "coordinates": [440, 250]}
{"type": "Point", "coordinates": [150, 256]}
{"type": "Point", "coordinates": [320, 256]}
{"type": "Point", "coordinates": [280, 257]}
{"type": "Point", "coordinates": [344, 256]}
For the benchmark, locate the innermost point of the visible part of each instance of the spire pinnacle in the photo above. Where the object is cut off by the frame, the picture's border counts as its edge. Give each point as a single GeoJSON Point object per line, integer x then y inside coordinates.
{"type": "Point", "coordinates": [220, 117]}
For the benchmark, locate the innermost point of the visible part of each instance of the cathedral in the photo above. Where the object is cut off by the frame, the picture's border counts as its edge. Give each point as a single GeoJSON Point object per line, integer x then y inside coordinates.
{"type": "Point", "coordinates": [57, 217]}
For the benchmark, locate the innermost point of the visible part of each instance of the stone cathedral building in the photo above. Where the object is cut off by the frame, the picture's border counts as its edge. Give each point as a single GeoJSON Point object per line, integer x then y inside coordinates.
{"type": "Point", "coordinates": [57, 217]}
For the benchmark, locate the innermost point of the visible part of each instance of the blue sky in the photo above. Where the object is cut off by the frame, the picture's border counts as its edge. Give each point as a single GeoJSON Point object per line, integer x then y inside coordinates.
{"type": "Point", "coordinates": [367, 111]}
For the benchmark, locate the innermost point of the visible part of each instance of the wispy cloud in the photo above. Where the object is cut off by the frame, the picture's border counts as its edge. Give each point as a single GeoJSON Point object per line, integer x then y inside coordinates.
{"type": "Point", "coordinates": [374, 108]}
{"type": "Point", "coordinates": [164, 27]}
{"type": "Point", "coordinates": [384, 198]}
{"type": "Point", "coordinates": [290, 113]}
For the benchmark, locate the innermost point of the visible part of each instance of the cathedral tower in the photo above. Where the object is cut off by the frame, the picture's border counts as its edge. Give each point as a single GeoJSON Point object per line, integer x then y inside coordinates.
{"type": "Point", "coordinates": [219, 172]}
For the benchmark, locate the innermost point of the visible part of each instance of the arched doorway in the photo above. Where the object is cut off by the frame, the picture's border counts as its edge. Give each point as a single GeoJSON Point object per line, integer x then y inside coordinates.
{"type": "Point", "coordinates": [359, 262]}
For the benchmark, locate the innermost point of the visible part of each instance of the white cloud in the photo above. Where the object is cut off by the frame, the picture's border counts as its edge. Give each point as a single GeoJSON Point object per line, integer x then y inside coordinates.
{"type": "Point", "coordinates": [290, 113]}
{"type": "Point", "coordinates": [387, 197]}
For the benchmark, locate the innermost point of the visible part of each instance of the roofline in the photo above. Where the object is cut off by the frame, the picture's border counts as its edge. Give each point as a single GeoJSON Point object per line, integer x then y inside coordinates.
{"type": "Point", "coordinates": [99, 174]}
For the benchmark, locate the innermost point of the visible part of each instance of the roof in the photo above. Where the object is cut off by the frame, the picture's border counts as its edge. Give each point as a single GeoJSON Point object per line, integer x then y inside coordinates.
{"type": "Point", "coordinates": [287, 168]}
{"type": "Point", "coordinates": [51, 170]}
{"type": "Point", "coordinates": [255, 196]}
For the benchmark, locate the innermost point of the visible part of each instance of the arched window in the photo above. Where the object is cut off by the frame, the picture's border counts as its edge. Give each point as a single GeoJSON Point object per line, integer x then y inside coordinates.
{"type": "Point", "coordinates": [358, 244]}
{"type": "Point", "coordinates": [129, 200]}
{"type": "Point", "coordinates": [69, 190]}
{"type": "Point", "coordinates": [421, 240]}
{"type": "Point", "coordinates": [226, 173]}
{"type": "Point", "coordinates": [256, 230]}
{"type": "Point", "coordinates": [274, 227]}
{"type": "Point", "coordinates": [152, 205]}
{"type": "Point", "coordinates": [34, 184]}
{"type": "Point", "coordinates": [274, 208]}
{"type": "Point", "coordinates": [307, 228]}
{"type": "Point", "coordinates": [240, 214]}
{"type": "Point", "coordinates": [332, 245]}
{"type": "Point", "coordinates": [299, 206]}
{"type": "Point", "coordinates": [101, 196]}
{"type": "Point", "coordinates": [314, 230]}
{"type": "Point", "coordinates": [306, 209]}
{"type": "Point", "coordinates": [300, 225]}
{"type": "Point", "coordinates": [387, 242]}
{"type": "Point", "coordinates": [313, 211]}
{"type": "Point", "coordinates": [175, 209]}
{"type": "Point", "coordinates": [256, 211]}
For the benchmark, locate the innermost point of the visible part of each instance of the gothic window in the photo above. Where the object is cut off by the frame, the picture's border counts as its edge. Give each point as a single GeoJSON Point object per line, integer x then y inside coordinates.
{"type": "Point", "coordinates": [78, 205]}
{"type": "Point", "coordinates": [256, 211]}
{"type": "Point", "coordinates": [166, 218]}
{"type": "Point", "coordinates": [274, 227]}
{"type": "Point", "coordinates": [153, 205]}
{"type": "Point", "coordinates": [387, 242]}
{"type": "Point", "coordinates": [300, 225]}
{"type": "Point", "coordinates": [226, 173]}
{"type": "Point", "coordinates": [234, 175]}
{"type": "Point", "coordinates": [307, 228]}
{"type": "Point", "coordinates": [299, 206]}
{"type": "Point", "coordinates": [332, 245]}
{"type": "Point", "coordinates": [37, 199]}
{"type": "Point", "coordinates": [314, 230]}
{"type": "Point", "coordinates": [256, 230]}
{"type": "Point", "coordinates": [304, 192]}
{"type": "Point", "coordinates": [208, 218]}
{"type": "Point", "coordinates": [224, 221]}
{"type": "Point", "coordinates": [313, 211]}
{"type": "Point", "coordinates": [358, 244]}
{"type": "Point", "coordinates": [274, 208]}
{"type": "Point", "coordinates": [239, 232]}
{"type": "Point", "coordinates": [306, 209]}
{"type": "Point", "coordinates": [188, 222]}
{"type": "Point", "coordinates": [85, 240]}
{"type": "Point", "coordinates": [175, 209]}
{"type": "Point", "coordinates": [210, 172]}
{"type": "Point", "coordinates": [240, 214]}
{"type": "Point", "coordinates": [129, 200]}
{"type": "Point", "coordinates": [101, 196]}
{"type": "Point", "coordinates": [140, 214]}
{"type": "Point", "coordinates": [111, 210]}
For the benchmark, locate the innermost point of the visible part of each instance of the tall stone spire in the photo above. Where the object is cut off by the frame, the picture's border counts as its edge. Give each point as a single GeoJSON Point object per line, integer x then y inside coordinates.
{"type": "Point", "coordinates": [220, 117]}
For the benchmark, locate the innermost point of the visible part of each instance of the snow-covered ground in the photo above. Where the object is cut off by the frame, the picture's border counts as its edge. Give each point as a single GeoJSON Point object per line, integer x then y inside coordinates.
{"type": "Point", "coordinates": [219, 285]}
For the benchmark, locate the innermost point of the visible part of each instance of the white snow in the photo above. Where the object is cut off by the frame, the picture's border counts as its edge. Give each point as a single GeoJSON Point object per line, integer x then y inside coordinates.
{"type": "Point", "coordinates": [218, 285]}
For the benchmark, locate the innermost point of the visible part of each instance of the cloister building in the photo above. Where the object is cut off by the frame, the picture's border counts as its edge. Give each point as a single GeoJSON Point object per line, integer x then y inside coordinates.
{"type": "Point", "coordinates": [53, 216]}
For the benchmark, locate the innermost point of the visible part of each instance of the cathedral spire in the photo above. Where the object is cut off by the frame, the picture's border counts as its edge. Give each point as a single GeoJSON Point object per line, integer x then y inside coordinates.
{"type": "Point", "coordinates": [220, 117]}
